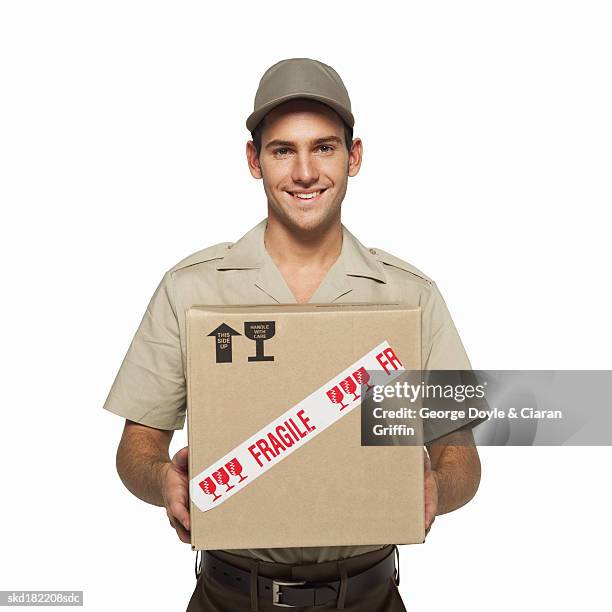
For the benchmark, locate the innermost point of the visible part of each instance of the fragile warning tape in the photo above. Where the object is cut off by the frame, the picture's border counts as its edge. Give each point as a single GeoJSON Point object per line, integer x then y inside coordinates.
{"type": "Point", "coordinates": [291, 430]}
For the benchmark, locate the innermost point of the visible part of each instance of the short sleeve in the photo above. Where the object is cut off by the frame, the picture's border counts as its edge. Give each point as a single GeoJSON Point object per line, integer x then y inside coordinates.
{"type": "Point", "coordinates": [150, 385]}
{"type": "Point", "coordinates": [442, 349]}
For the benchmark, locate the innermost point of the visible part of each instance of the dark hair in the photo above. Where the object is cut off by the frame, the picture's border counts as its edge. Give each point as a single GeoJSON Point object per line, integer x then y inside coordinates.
{"type": "Point", "coordinates": [256, 135]}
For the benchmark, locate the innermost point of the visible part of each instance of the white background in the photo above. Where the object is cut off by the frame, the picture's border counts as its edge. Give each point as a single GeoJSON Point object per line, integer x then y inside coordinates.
{"type": "Point", "coordinates": [487, 131]}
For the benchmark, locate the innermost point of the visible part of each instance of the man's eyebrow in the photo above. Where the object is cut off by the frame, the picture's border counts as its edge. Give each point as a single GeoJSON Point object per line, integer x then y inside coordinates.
{"type": "Point", "coordinates": [278, 143]}
{"type": "Point", "coordinates": [328, 139]}
{"type": "Point", "coordinates": [286, 143]}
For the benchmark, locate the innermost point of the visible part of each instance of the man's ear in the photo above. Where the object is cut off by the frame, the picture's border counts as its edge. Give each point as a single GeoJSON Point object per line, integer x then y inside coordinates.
{"type": "Point", "coordinates": [355, 157]}
{"type": "Point", "coordinates": [253, 160]}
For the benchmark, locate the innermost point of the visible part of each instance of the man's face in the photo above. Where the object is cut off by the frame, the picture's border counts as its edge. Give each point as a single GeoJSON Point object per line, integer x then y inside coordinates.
{"type": "Point", "coordinates": [304, 164]}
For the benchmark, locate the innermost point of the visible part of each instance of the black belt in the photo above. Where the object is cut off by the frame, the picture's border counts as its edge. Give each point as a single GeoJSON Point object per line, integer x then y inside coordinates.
{"type": "Point", "coordinates": [299, 593]}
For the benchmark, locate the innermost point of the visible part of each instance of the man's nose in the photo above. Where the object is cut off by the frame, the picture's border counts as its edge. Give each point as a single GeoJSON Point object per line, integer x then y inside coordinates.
{"type": "Point", "coordinates": [304, 170]}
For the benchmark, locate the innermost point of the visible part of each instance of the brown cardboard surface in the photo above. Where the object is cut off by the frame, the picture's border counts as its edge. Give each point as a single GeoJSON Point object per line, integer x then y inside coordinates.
{"type": "Point", "coordinates": [332, 491]}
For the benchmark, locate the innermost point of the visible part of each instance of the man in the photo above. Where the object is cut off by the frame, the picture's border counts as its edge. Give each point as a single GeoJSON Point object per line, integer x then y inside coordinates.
{"type": "Point", "coordinates": [304, 152]}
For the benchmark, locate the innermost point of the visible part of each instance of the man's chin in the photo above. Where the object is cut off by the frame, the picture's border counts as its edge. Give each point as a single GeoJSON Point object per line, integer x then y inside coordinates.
{"type": "Point", "coordinates": [309, 221]}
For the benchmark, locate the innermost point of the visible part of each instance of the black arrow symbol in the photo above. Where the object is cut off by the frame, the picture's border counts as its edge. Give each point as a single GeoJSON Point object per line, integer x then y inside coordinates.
{"type": "Point", "coordinates": [223, 342]}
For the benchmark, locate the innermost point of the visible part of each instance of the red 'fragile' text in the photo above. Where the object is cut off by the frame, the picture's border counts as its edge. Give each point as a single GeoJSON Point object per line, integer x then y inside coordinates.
{"type": "Point", "coordinates": [282, 437]}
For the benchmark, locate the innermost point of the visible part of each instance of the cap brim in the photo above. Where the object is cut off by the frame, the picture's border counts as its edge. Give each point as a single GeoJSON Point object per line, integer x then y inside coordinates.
{"type": "Point", "coordinates": [255, 117]}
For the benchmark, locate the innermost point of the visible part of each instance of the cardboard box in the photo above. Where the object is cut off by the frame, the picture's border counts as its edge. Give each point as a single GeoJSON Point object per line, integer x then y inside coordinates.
{"type": "Point", "coordinates": [247, 366]}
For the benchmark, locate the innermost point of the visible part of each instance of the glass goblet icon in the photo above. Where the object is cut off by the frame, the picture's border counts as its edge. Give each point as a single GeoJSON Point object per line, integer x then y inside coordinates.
{"type": "Point", "coordinates": [362, 376]}
{"type": "Point", "coordinates": [209, 487]}
{"type": "Point", "coordinates": [350, 386]}
{"type": "Point", "coordinates": [234, 467]}
{"type": "Point", "coordinates": [335, 395]}
{"type": "Point", "coordinates": [222, 478]}
{"type": "Point", "coordinates": [260, 331]}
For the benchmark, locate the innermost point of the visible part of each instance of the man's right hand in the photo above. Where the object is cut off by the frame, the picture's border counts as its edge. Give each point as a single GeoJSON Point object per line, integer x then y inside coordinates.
{"type": "Point", "coordinates": [174, 486]}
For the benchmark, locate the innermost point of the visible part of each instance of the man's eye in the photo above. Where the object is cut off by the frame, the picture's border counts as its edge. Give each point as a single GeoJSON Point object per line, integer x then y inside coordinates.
{"type": "Point", "coordinates": [325, 148]}
{"type": "Point", "coordinates": [281, 151]}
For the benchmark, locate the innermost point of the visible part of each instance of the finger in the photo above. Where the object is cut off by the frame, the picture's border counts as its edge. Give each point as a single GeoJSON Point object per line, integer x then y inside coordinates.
{"type": "Point", "coordinates": [180, 459]}
{"type": "Point", "coordinates": [174, 520]}
{"type": "Point", "coordinates": [426, 461]}
{"type": "Point", "coordinates": [428, 520]}
{"type": "Point", "coordinates": [180, 512]}
{"type": "Point", "coordinates": [428, 524]}
{"type": "Point", "coordinates": [183, 534]}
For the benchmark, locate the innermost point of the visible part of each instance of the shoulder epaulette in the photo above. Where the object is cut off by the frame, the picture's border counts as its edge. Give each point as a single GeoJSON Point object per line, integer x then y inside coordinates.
{"type": "Point", "coordinates": [216, 251]}
{"type": "Point", "coordinates": [392, 260]}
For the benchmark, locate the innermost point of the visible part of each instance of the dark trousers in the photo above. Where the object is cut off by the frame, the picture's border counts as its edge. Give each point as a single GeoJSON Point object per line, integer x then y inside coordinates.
{"type": "Point", "coordinates": [211, 596]}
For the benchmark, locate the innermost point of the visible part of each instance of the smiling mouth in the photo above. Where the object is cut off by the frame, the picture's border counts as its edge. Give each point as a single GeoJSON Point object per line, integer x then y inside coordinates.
{"type": "Point", "coordinates": [307, 196]}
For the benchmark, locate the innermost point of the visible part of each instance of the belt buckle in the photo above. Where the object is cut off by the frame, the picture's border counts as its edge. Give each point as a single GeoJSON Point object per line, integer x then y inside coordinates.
{"type": "Point", "coordinates": [276, 591]}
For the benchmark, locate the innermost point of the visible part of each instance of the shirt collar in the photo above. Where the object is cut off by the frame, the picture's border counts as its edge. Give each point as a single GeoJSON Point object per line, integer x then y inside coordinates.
{"type": "Point", "coordinates": [250, 253]}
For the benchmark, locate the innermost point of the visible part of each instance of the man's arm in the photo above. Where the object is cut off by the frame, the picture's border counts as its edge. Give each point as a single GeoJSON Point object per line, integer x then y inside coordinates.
{"type": "Point", "coordinates": [145, 468]}
{"type": "Point", "coordinates": [452, 473]}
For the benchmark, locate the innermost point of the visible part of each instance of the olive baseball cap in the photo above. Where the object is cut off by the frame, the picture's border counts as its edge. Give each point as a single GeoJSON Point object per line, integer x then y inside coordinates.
{"type": "Point", "coordinates": [300, 77]}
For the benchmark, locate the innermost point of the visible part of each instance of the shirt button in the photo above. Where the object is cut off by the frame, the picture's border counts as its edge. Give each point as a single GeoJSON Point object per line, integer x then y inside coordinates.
{"type": "Point", "coordinates": [229, 246]}
{"type": "Point", "coordinates": [373, 251]}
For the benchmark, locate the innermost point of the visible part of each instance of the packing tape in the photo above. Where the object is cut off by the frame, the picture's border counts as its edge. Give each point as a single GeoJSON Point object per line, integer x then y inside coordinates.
{"type": "Point", "coordinates": [291, 430]}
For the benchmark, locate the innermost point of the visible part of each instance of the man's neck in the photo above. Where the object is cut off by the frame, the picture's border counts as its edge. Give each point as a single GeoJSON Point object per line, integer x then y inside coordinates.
{"type": "Point", "coordinates": [303, 258]}
{"type": "Point", "coordinates": [294, 250]}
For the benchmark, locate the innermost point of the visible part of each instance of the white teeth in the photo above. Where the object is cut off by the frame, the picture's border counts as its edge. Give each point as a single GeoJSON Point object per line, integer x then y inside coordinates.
{"type": "Point", "coordinates": [307, 196]}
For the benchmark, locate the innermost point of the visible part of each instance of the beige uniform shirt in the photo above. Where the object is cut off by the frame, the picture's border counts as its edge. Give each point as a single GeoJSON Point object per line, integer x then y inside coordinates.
{"type": "Point", "coordinates": [150, 386]}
